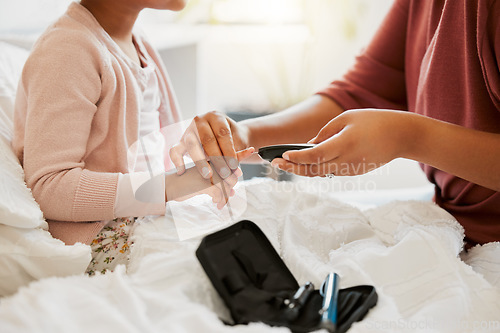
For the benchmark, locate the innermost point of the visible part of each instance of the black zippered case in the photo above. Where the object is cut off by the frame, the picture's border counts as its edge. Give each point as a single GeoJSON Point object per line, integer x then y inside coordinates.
{"type": "Point", "coordinates": [253, 281]}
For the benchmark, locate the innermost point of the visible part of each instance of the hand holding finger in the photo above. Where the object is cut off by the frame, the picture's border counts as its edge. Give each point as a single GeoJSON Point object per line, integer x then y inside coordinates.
{"type": "Point", "coordinates": [215, 137]}
{"type": "Point", "coordinates": [224, 171]}
{"type": "Point", "coordinates": [221, 130]}
{"type": "Point", "coordinates": [214, 133]}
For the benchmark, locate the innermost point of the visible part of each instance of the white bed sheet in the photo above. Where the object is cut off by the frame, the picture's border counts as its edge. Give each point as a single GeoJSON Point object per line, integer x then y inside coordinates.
{"type": "Point", "coordinates": [409, 250]}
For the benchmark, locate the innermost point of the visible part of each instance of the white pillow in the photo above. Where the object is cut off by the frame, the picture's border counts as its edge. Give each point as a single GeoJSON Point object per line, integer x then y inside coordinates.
{"type": "Point", "coordinates": [27, 252]}
{"type": "Point", "coordinates": [12, 59]}
{"type": "Point", "coordinates": [18, 208]}
{"type": "Point", "coordinates": [31, 254]}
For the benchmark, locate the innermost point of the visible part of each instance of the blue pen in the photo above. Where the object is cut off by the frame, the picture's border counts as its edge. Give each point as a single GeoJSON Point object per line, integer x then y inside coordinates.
{"type": "Point", "coordinates": [330, 292]}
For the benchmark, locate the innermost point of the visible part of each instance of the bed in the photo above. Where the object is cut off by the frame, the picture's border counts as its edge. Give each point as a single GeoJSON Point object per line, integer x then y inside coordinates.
{"type": "Point", "coordinates": [410, 250]}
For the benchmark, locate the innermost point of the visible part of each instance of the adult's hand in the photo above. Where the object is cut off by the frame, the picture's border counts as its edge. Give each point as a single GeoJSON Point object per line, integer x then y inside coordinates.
{"type": "Point", "coordinates": [212, 137]}
{"type": "Point", "coordinates": [353, 143]}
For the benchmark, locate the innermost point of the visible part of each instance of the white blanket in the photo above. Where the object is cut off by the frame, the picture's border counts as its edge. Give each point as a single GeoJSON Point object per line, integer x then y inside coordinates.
{"type": "Point", "coordinates": [408, 250]}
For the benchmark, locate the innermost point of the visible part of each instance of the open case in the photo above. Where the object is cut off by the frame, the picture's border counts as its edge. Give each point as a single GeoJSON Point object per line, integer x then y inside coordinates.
{"type": "Point", "coordinates": [254, 282]}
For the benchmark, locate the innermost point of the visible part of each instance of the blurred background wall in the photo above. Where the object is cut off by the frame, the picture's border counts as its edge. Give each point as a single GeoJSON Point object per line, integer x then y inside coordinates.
{"type": "Point", "coordinates": [244, 56]}
{"type": "Point", "coordinates": [256, 55]}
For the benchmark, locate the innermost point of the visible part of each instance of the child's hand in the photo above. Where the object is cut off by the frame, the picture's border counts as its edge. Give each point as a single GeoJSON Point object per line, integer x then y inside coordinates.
{"type": "Point", "coordinates": [353, 143]}
{"type": "Point", "coordinates": [191, 183]}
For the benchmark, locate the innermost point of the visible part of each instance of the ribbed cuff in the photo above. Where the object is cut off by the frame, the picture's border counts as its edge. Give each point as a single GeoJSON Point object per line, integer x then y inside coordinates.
{"type": "Point", "coordinates": [95, 196]}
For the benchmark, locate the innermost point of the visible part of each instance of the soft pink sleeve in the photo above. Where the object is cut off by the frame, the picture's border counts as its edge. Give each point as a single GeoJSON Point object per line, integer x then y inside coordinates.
{"type": "Point", "coordinates": [55, 106]}
{"type": "Point", "coordinates": [377, 78]}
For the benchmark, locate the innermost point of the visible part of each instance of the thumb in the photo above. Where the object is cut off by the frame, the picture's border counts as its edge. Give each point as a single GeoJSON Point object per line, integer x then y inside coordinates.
{"type": "Point", "coordinates": [333, 127]}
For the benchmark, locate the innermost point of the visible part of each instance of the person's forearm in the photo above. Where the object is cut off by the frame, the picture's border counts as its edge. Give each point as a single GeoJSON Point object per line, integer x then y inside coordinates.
{"type": "Point", "coordinates": [469, 154]}
{"type": "Point", "coordinates": [298, 123]}
{"type": "Point", "coordinates": [185, 185]}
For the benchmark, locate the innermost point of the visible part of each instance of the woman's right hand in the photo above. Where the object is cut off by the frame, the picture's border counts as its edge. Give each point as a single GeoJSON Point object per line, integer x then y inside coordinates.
{"type": "Point", "coordinates": [216, 138]}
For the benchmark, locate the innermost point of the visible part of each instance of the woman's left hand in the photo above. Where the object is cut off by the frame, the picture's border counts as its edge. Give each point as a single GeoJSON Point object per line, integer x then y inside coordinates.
{"type": "Point", "coordinates": [353, 143]}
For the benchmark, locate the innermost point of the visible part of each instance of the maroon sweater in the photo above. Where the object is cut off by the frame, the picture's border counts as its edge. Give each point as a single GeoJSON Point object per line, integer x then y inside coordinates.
{"type": "Point", "coordinates": [441, 59]}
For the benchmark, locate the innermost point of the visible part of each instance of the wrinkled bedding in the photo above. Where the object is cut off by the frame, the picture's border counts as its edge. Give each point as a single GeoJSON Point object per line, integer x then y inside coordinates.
{"type": "Point", "coordinates": [410, 250]}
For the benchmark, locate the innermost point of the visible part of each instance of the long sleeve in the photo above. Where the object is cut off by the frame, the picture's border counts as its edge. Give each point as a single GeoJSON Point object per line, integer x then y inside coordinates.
{"type": "Point", "coordinates": [59, 92]}
{"type": "Point", "coordinates": [75, 124]}
{"type": "Point", "coordinates": [377, 78]}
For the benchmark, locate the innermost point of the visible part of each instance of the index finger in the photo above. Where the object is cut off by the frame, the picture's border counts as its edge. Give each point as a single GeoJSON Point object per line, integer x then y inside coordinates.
{"type": "Point", "coordinates": [222, 132]}
{"type": "Point", "coordinates": [195, 151]}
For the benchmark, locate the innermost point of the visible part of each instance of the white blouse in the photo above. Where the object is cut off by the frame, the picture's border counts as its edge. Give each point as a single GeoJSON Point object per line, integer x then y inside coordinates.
{"type": "Point", "coordinates": [148, 158]}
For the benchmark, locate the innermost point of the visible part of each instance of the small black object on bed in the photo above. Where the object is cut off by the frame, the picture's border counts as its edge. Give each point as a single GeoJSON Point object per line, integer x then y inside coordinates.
{"type": "Point", "coordinates": [255, 283]}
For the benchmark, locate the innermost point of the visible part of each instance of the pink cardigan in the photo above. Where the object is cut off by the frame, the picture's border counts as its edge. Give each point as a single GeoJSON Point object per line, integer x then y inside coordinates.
{"type": "Point", "coordinates": [76, 114]}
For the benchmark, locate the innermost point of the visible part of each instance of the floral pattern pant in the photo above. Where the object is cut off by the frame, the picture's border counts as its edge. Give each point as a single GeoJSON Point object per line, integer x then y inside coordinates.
{"type": "Point", "coordinates": [111, 247]}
